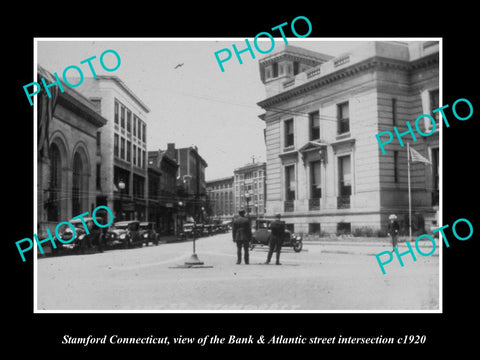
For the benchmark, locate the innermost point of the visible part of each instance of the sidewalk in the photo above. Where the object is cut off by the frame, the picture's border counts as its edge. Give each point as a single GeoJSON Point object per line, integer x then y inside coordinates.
{"type": "Point", "coordinates": [367, 246]}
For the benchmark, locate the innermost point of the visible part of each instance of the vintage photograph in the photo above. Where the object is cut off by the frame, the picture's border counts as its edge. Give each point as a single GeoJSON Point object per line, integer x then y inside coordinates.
{"type": "Point", "coordinates": [233, 175]}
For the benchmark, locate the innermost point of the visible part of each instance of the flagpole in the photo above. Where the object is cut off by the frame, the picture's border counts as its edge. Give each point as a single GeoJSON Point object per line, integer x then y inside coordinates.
{"type": "Point", "coordinates": [409, 194]}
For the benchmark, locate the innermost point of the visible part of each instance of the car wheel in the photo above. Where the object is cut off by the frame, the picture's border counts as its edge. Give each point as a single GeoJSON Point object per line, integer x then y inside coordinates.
{"type": "Point", "coordinates": [297, 247]}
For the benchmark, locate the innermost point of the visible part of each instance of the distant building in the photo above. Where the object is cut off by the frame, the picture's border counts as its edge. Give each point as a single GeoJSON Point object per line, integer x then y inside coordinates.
{"type": "Point", "coordinates": [162, 189]}
{"type": "Point", "coordinates": [68, 158]}
{"type": "Point", "coordinates": [325, 170]}
{"type": "Point", "coordinates": [221, 198]}
{"type": "Point", "coordinates": [191, 186]}
{"type": "Point", "coordinates": [123, 146]}
{"type": "Point", "coordinates": [249, 184]}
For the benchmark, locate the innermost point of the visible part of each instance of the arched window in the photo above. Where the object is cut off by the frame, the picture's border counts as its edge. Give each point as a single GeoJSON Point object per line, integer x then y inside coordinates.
{"type": "Point", "coordinates": [55, 188]}
{"type": "Point", "coordinates": [77, 184]}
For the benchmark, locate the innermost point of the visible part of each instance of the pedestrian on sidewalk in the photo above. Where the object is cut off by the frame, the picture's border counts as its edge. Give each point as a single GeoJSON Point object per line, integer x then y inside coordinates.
{"type": "Point", "coordinates": [277, 232]}
{"type": "Point", "coordinates": [242, 235]}
{"type": "Point", "coordinates": [393, 229]}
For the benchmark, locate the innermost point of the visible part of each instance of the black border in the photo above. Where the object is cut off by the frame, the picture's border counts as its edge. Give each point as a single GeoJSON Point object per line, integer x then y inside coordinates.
{"type": "Point", "coordinates": [43, 332]}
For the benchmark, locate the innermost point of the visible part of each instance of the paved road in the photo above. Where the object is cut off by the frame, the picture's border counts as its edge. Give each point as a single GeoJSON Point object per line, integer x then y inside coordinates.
{"type": "Point", "coordinates": [328, 276]}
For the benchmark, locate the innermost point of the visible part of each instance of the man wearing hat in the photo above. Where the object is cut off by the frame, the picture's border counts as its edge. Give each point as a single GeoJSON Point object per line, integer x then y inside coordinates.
{"type": "Point", "coordinates": [393, 229]}
{"type": "Point", "coordinates": [277, 228]}
{"type": "Point", "coordinates": [242, 235]}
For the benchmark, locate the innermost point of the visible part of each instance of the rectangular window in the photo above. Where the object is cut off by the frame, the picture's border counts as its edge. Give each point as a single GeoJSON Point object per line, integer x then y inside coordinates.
{"type": "Point", "coordinates": [344, 182]}
{"type": "Point", "coordinates": [115, 116]}
{"type": "Point", "coordinates": [122, 148]}
{"type": "Point", "coordinates": [115, 145]}
{"type": "Point", "coordinates": [343, 118]}
{"type": "Point", "coordinates": [129, 120]}
{"type": "Point", "coordinates": [134, 154]}
{"type": "Point", "coordinates": [314, 228]}
{"type": "Point", "coordinates": [134, 125]}
{"type": "Point", "coordinates": [290, 183]}
{"type": "Point", "coordinates": [139, 158]}
{"type": "Point", "coordinates": [315, 184]}
{"type": "Point", "coordinates": [139, 129]}
{"type": "Point", "coordinates": [296, 68]}
{"type": "Point", "coordinates": [122, 117]}
{"type": "Point", "coordinates": [345, 175]}
{"type": "Point", "coordinates": [275, 70]}
{"type": "Point", "coordinates": [314, 119]}
{"type": "Point", "coordinates": [129, 151]}
{"type": "Point", "coordinates": [344, 228]}
{"type": "Point", "coordinates": [144, 132]}
{"type": "Point", "coordinates": [289, 133]}
{"type": "Point", "coordinates": [143, 159]}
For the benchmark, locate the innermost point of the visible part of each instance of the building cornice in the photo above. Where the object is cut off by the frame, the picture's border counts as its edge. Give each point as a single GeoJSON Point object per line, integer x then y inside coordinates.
{"type": "Point", "coordinates": [126, 89]}
{"type": "Point", "coordinates": [375, 62]}
{"type": "Point", "coordinates": [76, 103]}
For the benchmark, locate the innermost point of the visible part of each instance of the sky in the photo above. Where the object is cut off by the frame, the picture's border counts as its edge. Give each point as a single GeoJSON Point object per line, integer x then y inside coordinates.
{"type": "Point", "coordinates": [196, 103]}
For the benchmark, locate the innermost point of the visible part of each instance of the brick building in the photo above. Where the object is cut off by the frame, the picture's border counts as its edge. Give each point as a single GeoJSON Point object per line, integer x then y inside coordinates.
{"type": "Point", "coordinates": [249, 188]}
{"type": "Point", "coordinates": [221, 198]}
{"type": "Point", "coordinates": [162, 189]}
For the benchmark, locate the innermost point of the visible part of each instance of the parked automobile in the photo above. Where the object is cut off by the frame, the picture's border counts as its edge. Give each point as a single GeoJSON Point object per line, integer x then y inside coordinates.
{"type": "Point", "coordinates": [148, 233]}
{"type": "Point", "coordinates": [84, 242]}
{"type": "Point", "coordinates": [208, 230]}
{"type": "Point", "coordinates": [191, 229]}
{"type": "Point", "coordinates": [125, 234]}
{"type": "Point", "coordinates": [261, 236]}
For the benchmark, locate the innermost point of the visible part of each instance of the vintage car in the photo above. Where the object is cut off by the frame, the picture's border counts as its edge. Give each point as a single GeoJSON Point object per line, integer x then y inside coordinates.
{"type": "Point", "coordinates": [84, 242]}
{"type": "Point", "coordinates": [148, 233]}
{"type": "Point", "coordinates": [261, 236]}
{"type": "Point", "coordinates": [209, 230]}
{"type": "Point", "coordinates": [190, 230]}
{"type": "Point", "coordinates": [125, 234]}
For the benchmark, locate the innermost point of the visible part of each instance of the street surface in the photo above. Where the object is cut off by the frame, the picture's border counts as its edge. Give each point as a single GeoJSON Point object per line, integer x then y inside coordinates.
{"type": "Point", "coordinates": [323, 276]}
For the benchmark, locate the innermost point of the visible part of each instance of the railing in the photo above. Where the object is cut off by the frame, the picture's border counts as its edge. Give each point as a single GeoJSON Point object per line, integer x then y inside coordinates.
{"type": "Point", "coordinates": [343, 202]}
{"type": "Point", "coordinates": [313, 72]}
{"type": "Point", "coordinates": [341, 60]}
{"type": "Point", "coordinates": [288, 206]}
{"type": "Point", "coordinates": [314, 204]}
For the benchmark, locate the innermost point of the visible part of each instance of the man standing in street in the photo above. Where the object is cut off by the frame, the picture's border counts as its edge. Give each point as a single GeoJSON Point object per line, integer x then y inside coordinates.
{"type": "Point", "coordinates": [242, 235]}
{"type": "Point", "coordinates": [277, 228]}
{"type": "Point", "coordinates": [393, 229]}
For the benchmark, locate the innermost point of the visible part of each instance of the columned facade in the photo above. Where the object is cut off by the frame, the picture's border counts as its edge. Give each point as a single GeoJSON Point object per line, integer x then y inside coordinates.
{"type": "Point", "coordinates": [325, 170]}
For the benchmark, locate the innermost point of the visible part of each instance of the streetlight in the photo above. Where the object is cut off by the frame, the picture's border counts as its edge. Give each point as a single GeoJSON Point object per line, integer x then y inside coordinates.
{"type": "Point", "coordinates": [121, 186]}
{"type": "Point", "coordinates": [180, 214]}
{"type": "Point", "coordinates": [193, 258]}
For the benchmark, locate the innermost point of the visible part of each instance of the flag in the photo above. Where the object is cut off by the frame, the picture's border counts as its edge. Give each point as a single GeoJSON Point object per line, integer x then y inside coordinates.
{"type": "Point", "coordinates": [416, 157]}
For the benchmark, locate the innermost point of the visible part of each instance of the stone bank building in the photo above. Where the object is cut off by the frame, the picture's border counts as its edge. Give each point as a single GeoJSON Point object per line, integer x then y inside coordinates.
{"type": "Point", "coordinates": [325, 172]}
{"type": "Point", "coordinates": [67, 157]}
